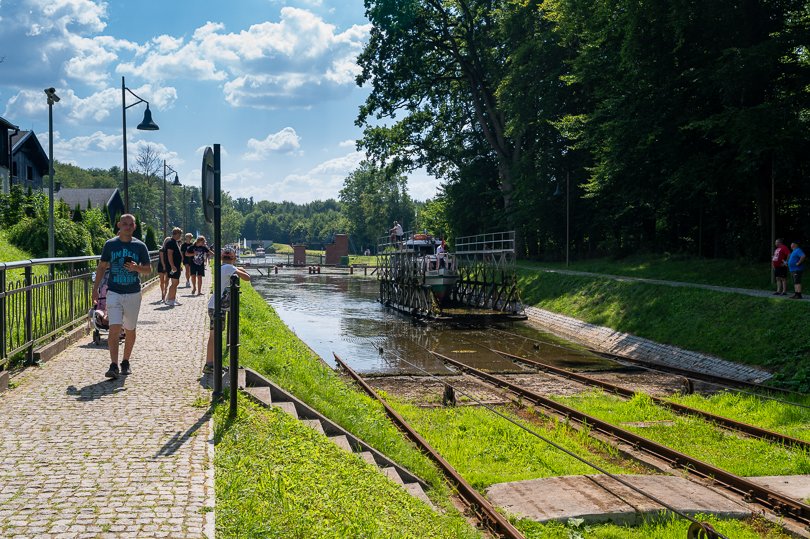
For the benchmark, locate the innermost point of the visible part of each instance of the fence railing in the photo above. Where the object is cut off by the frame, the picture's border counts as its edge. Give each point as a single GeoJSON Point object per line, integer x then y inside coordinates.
{"type": "Point", "coordinates": [42, 298]}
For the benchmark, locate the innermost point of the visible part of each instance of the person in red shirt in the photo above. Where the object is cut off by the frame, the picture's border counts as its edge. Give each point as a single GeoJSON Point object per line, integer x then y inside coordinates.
{"type": "Point", "coordinates": [780, 270]}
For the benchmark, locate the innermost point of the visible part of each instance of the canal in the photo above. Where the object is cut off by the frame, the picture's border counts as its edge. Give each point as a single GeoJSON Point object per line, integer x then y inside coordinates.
{"type": "Point", "coordinates": [341, 315]}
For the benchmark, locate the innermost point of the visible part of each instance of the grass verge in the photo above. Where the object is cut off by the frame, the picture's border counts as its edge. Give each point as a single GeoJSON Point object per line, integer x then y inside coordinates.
{"type": "Point", "coordinates": [665, 528]}
{"type": "Point", "coordinates": [276, 477]}
{"type": "Point", "coordinates": [486, 449]}
{"type": "Point", "coordinates": [769, 414]}
{"type": "Point", "coordinates": [693, 436]}
{"type": "Point", "coordinates": [758, 331]}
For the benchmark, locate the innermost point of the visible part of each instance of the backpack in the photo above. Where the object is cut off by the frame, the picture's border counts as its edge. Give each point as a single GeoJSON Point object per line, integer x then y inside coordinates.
{"type": "Point", "coordinates": [226, 299]}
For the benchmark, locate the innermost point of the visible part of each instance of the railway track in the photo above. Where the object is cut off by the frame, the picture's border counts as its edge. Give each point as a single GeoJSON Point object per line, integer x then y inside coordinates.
{"type": "Point", "coordinates": [732, 424]}
{"type": "Point", "coordinates": [761, 390]}
{"type": "Point", "coordinates": [750, 491]}
{"type": "Point", "coordinates": [481, 508]}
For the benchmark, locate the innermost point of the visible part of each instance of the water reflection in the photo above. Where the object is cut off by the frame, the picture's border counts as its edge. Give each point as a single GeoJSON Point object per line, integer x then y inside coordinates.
{"type": "Point", "coordinates": [340, 314]}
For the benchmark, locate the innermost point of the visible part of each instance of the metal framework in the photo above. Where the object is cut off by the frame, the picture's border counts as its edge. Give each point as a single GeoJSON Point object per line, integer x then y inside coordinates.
{"type": "Point", "coordinates": [481, 275]}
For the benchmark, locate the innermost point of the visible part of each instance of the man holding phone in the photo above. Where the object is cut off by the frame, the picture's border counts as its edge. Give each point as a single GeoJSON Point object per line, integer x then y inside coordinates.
{"type": "Point", "coordinates": [126, 257]}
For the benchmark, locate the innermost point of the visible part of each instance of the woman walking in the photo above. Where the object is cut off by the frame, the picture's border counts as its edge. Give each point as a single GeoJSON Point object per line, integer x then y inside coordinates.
{"type": "Point", "coordinates": [188, 241]}
{"type": "Point", "coordinates": [162, 272]}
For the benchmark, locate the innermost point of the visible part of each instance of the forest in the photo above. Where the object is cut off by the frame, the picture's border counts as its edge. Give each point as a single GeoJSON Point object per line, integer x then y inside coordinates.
{"type": "Point", "coordinates": [649, 126]}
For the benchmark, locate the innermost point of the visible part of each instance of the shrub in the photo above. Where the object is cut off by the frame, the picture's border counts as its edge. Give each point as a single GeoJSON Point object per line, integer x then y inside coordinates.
{"type": "Point", "coordinates": [71, 239]}
{"type": "Point", "coordinates": [97, 225]}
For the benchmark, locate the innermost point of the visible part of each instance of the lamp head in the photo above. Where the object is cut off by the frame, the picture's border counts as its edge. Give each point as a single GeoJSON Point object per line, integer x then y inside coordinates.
{"type": "Point", "coordinates": [52, 97]}
{"type": "Point", "coordinates": [176, 180]}
{"type": "Point", "coordinates": [147, 124]}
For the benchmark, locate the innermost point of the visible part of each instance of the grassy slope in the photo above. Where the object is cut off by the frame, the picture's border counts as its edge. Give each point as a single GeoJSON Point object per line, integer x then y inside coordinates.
{"type": "Point", "coordinates": [719, 272]}
{"type": "Point", "coordinates": [760, 331]}
{"type": "Point", "coordinates": [276, 477]}
{"type": "Point", "coordinates": [271, 348]}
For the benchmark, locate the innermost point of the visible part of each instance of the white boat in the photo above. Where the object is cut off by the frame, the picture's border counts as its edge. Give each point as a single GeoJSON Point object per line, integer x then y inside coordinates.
{"type": "Point", "coordinates": [260, 252]}
{"type": "Point", "coordinates": [438, 271]}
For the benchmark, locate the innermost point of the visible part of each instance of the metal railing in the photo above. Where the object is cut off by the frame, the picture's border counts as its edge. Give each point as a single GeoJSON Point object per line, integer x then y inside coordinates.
{"type": "Point", "coordinates": [37, 306]}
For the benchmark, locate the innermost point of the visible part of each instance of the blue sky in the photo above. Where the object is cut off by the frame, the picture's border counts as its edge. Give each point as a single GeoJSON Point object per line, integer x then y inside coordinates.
{"type": "Point", "coordinates": [272, 81]}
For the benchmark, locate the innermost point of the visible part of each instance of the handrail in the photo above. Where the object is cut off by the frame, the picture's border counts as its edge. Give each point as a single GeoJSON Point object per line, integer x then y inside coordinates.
{"type": "Point", "coordinates": [35, 309]}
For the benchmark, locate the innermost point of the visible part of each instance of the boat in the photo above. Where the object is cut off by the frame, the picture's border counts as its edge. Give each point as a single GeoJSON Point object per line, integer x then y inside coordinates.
{"type": "Point", "coordinates": [260, 252]}
{"type": "Point", "coordinates": [438, 271]}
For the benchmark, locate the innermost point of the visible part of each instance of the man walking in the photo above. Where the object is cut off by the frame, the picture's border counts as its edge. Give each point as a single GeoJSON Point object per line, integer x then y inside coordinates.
{"type": "Point", "coordinates": [174, 258]}
{"type": "Point", "coordinates": [779, 263]}
{"type": "Point", "coordinates": [796, 266]}
{"type": "Point", "coordinates": [125, 257]}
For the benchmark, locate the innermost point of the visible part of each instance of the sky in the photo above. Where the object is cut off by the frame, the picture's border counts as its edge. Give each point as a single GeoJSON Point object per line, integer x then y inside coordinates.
{"type": "Point", "coordinates": [271, 81]}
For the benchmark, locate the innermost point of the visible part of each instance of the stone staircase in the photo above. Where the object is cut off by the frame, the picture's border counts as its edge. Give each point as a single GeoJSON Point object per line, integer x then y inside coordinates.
{"type": "Point", "coordinates": [268, 394]}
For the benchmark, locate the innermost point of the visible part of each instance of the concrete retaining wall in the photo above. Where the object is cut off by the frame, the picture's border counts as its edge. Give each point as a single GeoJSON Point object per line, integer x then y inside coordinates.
{"type": "Point", "coordinates": [615, 342]}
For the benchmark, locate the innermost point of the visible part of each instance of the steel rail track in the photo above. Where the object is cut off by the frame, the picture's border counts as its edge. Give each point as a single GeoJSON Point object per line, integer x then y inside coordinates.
{"type": "Point", "coordinates": [780, 504]}
{"type": "Point", "coordinates": [703, 377]}
{"type": "Point", "coordinates": [483, 509]}
{"type": "Point", "coordinates": [751, 430]}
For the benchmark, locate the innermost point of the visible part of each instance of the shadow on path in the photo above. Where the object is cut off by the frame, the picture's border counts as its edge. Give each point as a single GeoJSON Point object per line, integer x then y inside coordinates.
{"type": "Point", "coordinates": [176, 442]}
{"type": "Point", "coordinates": [98, 390]}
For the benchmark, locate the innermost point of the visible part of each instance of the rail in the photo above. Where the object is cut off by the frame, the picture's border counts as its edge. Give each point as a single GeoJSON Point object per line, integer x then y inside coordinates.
{"type": "Point", "coordinates": [41, 299]}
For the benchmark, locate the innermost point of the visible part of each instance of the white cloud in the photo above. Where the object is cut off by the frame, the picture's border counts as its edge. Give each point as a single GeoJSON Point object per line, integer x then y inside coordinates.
{"type": "Point", "coordinates": [347, 144]}
{"type": "Point", "coordinates": [285, 141]}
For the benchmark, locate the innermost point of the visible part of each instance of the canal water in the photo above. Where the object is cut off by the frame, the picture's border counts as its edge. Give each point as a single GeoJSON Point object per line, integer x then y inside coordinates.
{"type": "Point", "coordinates": [338, 314]}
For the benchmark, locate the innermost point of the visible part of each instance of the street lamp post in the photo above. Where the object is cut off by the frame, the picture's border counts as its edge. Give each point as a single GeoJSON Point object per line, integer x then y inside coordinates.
{"type": "Point", "coordinates": [52, 98]}
{"type": "Point", "coordinates": [146, 125]}
{"type": "Point", "coordinates": [567, 213]}
{"type": "Point", "coordinates": [175, 182]}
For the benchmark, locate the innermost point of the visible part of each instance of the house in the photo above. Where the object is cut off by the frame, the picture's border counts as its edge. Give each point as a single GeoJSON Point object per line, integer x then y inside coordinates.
{"type": "Point", "coordinates": [7, 129]}
{"type": "Point", "coordinates": [108, 199]}
{"type": "Point", "coordinates": [29, 162]}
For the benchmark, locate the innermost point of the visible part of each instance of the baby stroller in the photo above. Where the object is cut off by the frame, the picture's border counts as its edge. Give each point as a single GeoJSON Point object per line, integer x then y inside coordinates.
{"type": "Point", "coordinates": [97, 318]}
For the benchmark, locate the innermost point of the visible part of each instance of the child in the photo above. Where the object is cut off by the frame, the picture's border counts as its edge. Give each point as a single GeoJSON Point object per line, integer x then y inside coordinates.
{"type": "Point", "coordinates": [199, 258]}
{"type": "Point", "coordinates": [228, 269]}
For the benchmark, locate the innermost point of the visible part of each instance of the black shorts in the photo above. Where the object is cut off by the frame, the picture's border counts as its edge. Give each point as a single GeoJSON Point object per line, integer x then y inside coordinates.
{"type": "Point", "coordinates": [174, 274]}
{"type": "Point", "coordinates": [160, 268]}
{"type": "Point", "coordinates": [780, 272]}
{"type": "Point", "coordinates": [211, 319]}
{"type": "Point", "coordinates": [797, 277]}
{"type": "Point", "coordinates": [198, 269]}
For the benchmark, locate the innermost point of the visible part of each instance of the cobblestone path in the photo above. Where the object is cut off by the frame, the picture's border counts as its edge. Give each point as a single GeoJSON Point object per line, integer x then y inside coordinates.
{"type": "Point", "coordinates": [83, 456]}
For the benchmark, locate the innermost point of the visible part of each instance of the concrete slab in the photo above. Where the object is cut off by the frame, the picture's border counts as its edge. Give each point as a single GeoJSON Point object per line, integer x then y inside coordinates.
{"type": "Point", "coordinates": [794, 486]}
{"type": "Point", "coordinates": [3, 381]}
{"type": "Point", "coordinates": [598, 498]}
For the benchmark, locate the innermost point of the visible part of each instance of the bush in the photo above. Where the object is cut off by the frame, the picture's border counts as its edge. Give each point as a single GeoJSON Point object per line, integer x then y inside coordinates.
{"type": "Point", "coordinates": [97, 225]}
{"type": "Point", "coordinates": [150, 239]}
{"type": "Point", "coordinates": [71, 239]}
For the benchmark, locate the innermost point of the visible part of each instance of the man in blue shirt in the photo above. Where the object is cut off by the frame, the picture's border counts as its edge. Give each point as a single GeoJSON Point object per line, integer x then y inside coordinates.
{"type": "Point", "coordinates": [126, 257]}
{"type": "Point", "coordinates": [796, 267]}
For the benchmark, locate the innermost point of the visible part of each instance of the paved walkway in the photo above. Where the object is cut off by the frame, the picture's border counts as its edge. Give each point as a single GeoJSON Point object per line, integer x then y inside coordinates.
{"type": "Point", "coordinates": [728, 289]}
{"type": "Point", "coordinates": [83, 456]}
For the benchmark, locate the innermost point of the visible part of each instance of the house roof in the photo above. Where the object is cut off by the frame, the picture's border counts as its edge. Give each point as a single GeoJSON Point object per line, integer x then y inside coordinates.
{"type": "Point", "coordinates": [99, 198]}
{"type": "Point", "coordinates": [5, 123]}
{"type": "Point", "coordinates": [29, 139]}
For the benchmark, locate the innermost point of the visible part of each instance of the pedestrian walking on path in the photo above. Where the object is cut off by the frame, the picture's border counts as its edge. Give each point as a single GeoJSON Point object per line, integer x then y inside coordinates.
{"type": "Point", "coordinates": [130, 458]}
{"type": "Point", "coordinates": [174, 259]}
{"type": "Point", "coordinates": [126, 257]}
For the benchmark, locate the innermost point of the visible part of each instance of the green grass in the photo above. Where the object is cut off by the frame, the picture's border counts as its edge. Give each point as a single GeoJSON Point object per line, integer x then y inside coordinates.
{"type": "Point", "coordinates": [362, 259]}
{"type": "Point", "coordinates": [276, 477]}
{"type": "Point", "coordinates": [487, 449]}
{"type": "Point", "coordinates": [693, 436]}
{"type": "Point", "coordinates": [10, 253]}
{"type": "Point", "coordinates": [767, 332]}
{"type": "Point", "coordinates": [269, 347]}
{"type": "Point", "coordinates": [687, 269]}
{"type": "Point", "coordinates": [664, 528]}
{"type": "Point", "coordinates": [769, 414]}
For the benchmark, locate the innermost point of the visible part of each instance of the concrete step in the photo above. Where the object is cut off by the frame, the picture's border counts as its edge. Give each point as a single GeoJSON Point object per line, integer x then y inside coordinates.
{"type": "Point", "coordinates": [261, 393]}
{"type": "Point", "coordinates": [286, 407]}
{"type": "Point", "coordinates": [368, 457]}
{"type": "Point", "coordinates": [416, 490]}
{"type": "Point", "coordinates": [342, 442]}
{"type": "Point", "coordinates": [314, 424]}
{"type": "Point", "coordinates": [393, 475]}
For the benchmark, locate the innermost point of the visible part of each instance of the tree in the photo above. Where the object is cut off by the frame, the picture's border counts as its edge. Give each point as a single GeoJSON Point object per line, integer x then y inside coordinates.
{"type": "Point", "coordinates": [372, 198]}
{"type": "Point", "coordinates": [435, 66]}
{"type": "Point", "coordinates": [147, 163]}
